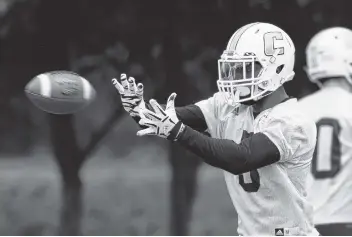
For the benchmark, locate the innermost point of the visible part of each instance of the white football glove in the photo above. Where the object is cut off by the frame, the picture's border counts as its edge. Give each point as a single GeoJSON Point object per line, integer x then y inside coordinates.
{"type": "Point", "coordinates": [131, 94]}
{"type": "Point", "coordinates": [161, 122]}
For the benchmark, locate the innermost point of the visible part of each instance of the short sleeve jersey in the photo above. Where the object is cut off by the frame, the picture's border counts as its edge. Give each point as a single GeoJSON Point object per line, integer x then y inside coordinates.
{"type": "Point", "coordinates": [270, 200]}
{"type": "Point", "coordinates": [330, 179]}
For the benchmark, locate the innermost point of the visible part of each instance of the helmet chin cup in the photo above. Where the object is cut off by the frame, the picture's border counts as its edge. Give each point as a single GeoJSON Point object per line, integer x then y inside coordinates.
{"type": "Point", "coordinates": [243, 91]}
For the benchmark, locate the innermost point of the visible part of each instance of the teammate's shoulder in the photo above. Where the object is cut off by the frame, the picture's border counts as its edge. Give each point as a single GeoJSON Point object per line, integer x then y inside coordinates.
{"type": "Point", "coordinates": [319, 99]}
{"type": "Point", "coordinates": [332, 102]}
{"type": "Point", "coordinates": [325, 95]}
{"type": "Point", "coordinates": [310, 97]}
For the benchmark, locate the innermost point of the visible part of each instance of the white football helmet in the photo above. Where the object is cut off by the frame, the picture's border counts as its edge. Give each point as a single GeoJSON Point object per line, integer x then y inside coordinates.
{"type": "Point", "coordinates": [329, 54]}
{"type": "Point", "coordinates": [258, 59]}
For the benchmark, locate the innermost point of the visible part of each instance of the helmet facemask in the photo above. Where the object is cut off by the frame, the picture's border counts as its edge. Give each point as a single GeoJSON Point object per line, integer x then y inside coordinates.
{"type": "Point", "coordinates": [240, 78]}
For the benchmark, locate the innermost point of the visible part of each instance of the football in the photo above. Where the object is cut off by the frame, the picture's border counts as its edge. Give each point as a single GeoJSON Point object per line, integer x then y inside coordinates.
{"type": "Point", "coordinates": [60, 92]}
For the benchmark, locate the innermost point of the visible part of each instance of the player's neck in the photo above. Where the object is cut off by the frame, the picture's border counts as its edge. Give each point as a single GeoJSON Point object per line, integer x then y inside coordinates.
{"type": "Point", "coordinates": [270, 101]}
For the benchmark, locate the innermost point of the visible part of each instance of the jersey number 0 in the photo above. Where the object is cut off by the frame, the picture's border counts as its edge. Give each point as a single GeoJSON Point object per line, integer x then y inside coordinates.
{"type": "Point", "coordinates": [327, 155]}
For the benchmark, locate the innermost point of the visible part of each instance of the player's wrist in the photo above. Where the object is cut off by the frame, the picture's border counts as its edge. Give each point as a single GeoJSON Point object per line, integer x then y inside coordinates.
{"type": "Point", "coordinates": [176, 131]}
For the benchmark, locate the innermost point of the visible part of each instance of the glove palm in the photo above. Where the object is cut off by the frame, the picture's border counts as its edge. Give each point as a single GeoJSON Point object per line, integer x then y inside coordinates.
{"type": "Point", "coordinates": [160, 122]}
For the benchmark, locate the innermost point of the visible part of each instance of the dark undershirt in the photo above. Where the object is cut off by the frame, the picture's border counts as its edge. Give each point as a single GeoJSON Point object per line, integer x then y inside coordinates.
{"type": "Point", "coordinates": [254, 151]}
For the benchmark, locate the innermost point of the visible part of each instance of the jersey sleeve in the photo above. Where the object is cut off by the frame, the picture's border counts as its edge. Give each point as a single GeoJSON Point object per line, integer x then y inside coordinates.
{"type": "Point", "coordinates": [255, 151]}
{"type": "Point", "coordinates": [209, 108]}
{"type": "Point", "coordinates": [290, 136]}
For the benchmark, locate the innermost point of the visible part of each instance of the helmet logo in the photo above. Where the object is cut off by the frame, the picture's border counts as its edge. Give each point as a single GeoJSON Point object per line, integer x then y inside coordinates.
{"type": "Point", "coordinates": [269, 43]}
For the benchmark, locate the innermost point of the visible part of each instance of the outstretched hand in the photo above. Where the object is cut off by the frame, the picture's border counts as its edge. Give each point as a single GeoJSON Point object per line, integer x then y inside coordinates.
{"type": "Point", "coordinates": [161, 121]}
{"type": "Point", "coordinates": [131, 94]}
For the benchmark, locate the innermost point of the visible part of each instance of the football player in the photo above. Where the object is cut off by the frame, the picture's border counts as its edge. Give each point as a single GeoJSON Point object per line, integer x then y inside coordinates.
{"type": "Point", "coordinates": [329, 65]}
{"type": "Point", "coordinates": [258, 135]}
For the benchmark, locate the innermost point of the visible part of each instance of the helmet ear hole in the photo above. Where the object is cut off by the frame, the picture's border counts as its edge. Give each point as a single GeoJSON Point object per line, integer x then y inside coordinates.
{"type": "Point", "coordinates": [279, 69]}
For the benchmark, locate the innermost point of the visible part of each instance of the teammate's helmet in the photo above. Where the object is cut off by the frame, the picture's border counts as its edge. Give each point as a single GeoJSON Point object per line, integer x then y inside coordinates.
{"type": "Point", "coordinates": [329, 55]}
{"type": "Point", "coordinates": [258, 59]}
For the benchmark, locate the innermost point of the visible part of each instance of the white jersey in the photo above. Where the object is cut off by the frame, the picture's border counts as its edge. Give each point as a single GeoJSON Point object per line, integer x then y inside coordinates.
{"type": "Point", "coordinates": [270, 200]}
{"type": "Point", "coordinates": [330, 180]}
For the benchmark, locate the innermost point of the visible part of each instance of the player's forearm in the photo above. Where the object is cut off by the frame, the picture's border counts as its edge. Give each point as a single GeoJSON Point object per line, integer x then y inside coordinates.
{"type": "Point", "coordinates": [192, 116]}
{"type": "Point", "coordinates": [252, 153]}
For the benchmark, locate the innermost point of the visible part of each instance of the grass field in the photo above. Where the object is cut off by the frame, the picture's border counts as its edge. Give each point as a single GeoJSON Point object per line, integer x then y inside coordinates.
{"type": "Point", "coordinates": [128, 196]}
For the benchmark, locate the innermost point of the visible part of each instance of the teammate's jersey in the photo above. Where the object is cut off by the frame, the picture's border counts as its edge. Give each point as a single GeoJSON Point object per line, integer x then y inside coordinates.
{"type": "Point", "coordinates": [330, 180]}
{"type": "Point", "coordinates": [270, 200]}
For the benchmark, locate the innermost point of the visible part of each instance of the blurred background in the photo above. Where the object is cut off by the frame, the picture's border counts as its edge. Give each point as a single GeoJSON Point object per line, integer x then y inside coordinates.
{"type": "Point", "coordinates": [88, 173]}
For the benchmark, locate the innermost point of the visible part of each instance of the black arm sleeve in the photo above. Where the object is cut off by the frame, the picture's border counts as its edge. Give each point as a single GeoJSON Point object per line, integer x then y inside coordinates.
{"type": "Point", "coordinates": [252, 153]}
{"type": "Point", "coordinates": [190, 115]}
